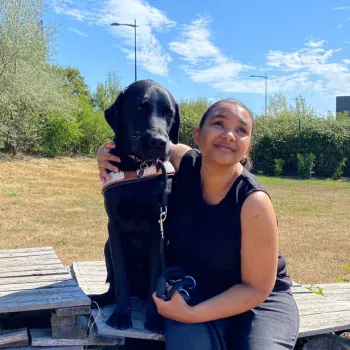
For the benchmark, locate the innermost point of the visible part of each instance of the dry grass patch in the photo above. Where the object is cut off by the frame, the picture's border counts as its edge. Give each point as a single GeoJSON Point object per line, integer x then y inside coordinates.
{"type": "Point", "coordinates": [58, 203]}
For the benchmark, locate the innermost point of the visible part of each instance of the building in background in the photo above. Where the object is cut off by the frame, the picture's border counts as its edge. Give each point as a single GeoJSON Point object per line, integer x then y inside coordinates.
{"type": "Point", "coordinates": [343, 104]}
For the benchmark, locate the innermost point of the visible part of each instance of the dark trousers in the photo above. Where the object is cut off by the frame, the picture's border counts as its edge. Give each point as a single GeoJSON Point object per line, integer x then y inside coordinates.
{"type": "Point", "coordinates": [273, 325]}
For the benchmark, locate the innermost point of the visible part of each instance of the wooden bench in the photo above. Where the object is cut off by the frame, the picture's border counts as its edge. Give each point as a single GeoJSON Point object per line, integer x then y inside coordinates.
{"type": "Point", "coordinates": [318, 314]}
{"type": "Point", "coordinates": [37, 291]}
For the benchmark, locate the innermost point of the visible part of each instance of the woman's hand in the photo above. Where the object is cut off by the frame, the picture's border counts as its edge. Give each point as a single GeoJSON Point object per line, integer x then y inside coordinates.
{"type": "Point", "coordinates": [176, 308]}
{"type": "Point", "coordinates": [104, 157]}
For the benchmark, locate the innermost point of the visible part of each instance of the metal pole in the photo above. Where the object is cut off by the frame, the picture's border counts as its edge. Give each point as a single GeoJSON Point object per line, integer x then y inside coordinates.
{"type": "Point", "coordinates": [135, 54]}
{"type": "Point", "coordinates": [265, 93]}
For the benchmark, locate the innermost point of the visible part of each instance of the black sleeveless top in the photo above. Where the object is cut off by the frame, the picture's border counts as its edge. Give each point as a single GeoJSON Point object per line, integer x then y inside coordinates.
{"type": "Point", "coordinates": [205, 239]}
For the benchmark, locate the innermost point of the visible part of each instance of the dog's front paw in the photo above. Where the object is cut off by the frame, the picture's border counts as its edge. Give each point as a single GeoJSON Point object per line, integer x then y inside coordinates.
{"type": "Point", "coordinates": [120, 318]}
{"type": "Point", "coordinates": [154, 323]}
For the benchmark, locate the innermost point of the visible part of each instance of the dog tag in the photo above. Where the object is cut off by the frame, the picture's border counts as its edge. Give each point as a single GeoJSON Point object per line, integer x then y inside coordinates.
{"type": "Point", "coordinates": [147, 171]}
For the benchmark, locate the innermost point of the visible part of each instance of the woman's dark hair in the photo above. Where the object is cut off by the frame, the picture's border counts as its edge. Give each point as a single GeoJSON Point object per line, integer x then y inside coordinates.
{"type": "Point", "coordinates": [246, 161]}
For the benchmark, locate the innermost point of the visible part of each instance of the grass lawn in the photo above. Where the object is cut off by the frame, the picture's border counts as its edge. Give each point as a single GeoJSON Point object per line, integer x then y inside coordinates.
{"type": "Point", "coordinates": [58, 203]}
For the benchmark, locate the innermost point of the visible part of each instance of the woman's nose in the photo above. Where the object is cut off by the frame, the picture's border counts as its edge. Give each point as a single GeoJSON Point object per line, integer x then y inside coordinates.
{"type": "Point", "coordinates": [229, 136]}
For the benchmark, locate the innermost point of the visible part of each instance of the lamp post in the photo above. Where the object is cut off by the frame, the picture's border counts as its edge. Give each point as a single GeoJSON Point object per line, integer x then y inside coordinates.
{"type": "Point", "coordinates": [134, 26]}
{"type": "Point", "coordinates": [263, 77]}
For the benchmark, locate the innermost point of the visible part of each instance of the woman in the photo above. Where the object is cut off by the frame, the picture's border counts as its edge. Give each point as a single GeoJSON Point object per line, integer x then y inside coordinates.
{"type": "Point", "coordinates": [222, 230]}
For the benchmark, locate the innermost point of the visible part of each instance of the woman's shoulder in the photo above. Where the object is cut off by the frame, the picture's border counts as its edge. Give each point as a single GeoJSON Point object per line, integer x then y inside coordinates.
{"type": "Point", "coordinates": [248, 183]}
{"type": "Point", "coordinates": [190, 161]}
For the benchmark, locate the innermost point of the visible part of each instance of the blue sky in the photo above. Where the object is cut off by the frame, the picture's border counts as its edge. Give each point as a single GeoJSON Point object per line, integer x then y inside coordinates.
{"type": "Point", "coordinates": [209, 48]}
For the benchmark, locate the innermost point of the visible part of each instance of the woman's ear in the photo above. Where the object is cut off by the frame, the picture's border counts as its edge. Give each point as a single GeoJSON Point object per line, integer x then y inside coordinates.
{"type": "Point", "coordinates": [196, 135]}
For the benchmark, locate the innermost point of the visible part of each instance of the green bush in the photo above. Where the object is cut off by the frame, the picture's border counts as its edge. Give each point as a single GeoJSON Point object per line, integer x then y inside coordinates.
{"type": "Point", "coordinates": [279, 137]}
{"type": "Point", "coordinates": [279, 163]}
{"type": "Point", "coordinates": [340, 169]}
{"type": "Point", "coordinates": [59, 135]}
{"type": "Point", "coordinates": [191, 113]}
{"type": "Point", "coordinates": [306, 164]}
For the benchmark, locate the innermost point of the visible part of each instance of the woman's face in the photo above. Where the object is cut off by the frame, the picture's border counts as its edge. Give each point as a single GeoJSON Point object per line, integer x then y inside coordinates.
{"type": "Point", "coordinates": [226, 134]}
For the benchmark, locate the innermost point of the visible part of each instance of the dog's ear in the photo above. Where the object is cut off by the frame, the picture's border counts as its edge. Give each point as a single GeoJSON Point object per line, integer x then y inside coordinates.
{"type": "Point", "coordinates": [175, 128]}
{"type": "Point", "coordinates": [112, 113]}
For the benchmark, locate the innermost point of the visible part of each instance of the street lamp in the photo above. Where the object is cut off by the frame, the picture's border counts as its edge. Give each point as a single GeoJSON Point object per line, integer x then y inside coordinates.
{"type": "Point", "coordinates": [264, 77]}
{"type": "Point", "coordinates": [134, 26]}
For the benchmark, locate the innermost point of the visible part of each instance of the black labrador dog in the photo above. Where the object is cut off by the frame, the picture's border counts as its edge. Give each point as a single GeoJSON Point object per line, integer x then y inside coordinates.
{"type": "Point", "coordinates": [144, 118]}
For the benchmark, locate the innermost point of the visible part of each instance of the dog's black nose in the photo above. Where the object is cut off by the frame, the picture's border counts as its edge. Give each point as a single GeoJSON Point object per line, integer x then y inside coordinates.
{"type": "Point", "coordinates": [157, 142]}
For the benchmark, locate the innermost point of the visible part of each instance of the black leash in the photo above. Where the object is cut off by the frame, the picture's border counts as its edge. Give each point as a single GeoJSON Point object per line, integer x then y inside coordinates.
{"type": "Point", "coordinates": [173, 277]}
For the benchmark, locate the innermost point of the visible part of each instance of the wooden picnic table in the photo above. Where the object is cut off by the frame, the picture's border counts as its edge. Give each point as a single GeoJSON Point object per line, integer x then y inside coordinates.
{"type": "Point", "coordinates": [318, 314]}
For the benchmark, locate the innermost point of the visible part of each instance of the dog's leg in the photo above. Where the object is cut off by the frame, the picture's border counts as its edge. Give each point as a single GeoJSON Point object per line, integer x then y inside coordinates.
{"type": "Point", "coordinates": [154, 321]}
{"type": "Point", "coordinates": [121, 316]}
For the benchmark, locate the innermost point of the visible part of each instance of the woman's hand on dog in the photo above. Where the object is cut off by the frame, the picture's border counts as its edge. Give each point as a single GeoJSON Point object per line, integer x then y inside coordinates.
{"type": "Point", "coordinates": [176, 308]}
{"type": "Point", "coordinates": [104, 157]}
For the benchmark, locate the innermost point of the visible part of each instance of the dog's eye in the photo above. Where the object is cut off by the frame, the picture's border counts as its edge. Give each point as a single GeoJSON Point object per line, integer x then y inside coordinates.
{"type": "Point", "coordinates": [140, 108]}
{"type": "Point", "coordinates": [169, 113]}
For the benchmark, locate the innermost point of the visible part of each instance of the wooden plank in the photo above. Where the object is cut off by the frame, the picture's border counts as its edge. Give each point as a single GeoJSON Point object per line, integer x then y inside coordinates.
{"type": "Point", "coordinates": [25, 250]}
{"type": "Point", "coordinates": [28, 261]}
{"type": "Point", "coordinates": [42, 299]}
{"type": "Point", "coordinates": [41, 285]}
{"type": "Point", "coordinates": [37, 272]}
{"type": "Point", "coordinates": [312, 307]}
{"type": "Point", "coordinates": [27, 279]}
{"type": "Point", "coordinates": [14, 337]}
{"type": "Point", "coordinates": [43, 337]}
{"type": "Point", "coordinates": [36, 255]}
{"type": "Point", "coordinates": [327, 323]}
{"type": "Point", "coordinates": [138, 330]}
{"type": "Point", "coordinates": [50, 348]}
{"type": "Point", "coordinates": [24, 268]}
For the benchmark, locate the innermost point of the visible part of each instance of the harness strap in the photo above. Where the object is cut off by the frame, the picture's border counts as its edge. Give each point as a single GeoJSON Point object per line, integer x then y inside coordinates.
{"type": "Point", "coordinates": [145, 172]}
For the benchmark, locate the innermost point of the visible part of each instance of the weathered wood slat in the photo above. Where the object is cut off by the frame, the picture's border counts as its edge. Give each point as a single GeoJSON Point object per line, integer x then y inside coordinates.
{"type": "Point", "coordinates": [27, 279]}
{"type": "Point", "coordinates": [41, 285]}
{"type": "Point", "coordinates": [138, 330]}
{"type": "Point", "coordinates": [41, 299]}
{"type": "Point", "coordinates": [25, 250]}
{"type": "Point", "coordinates": [326, 323]}
{"type": "Point", "coordinates": [24, 268]}
{"type": "Point", "coordinates": [37, 272]}
{"type": "Point", "coordinates": [10, 338]}
{"type": "Point", "coordinates": [43, 337]}
{"type": "Point", "coordinates": [16, 262]}
{"type": "Point", "coordinates": [34, 255]}
{"type": "Point", "coordinates": [80, 347]}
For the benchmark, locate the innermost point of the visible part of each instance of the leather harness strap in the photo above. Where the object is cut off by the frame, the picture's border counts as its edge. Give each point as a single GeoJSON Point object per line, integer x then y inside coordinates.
{"type": "Point", "coordinates": [145, 172]}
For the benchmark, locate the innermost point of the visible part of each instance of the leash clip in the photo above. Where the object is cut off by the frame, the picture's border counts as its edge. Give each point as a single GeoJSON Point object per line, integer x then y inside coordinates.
{"type": "Point", "coordinates": [162, 218]}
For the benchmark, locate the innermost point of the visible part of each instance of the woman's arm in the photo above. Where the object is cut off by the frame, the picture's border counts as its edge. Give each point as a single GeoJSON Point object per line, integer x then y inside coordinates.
{"type": "Point", "coordinates": [104, 157]}
{"type": "Point", "coordinates": [176, 153]}
{"type": "Point", "coordinates": [259, 259]}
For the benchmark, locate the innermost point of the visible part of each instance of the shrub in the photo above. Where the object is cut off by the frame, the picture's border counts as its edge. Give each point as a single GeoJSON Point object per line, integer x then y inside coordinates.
{"type": "Point", "coordinates": [340, 169]}
{"type": "Point", "coordinates": [306, 164]}
{"type": "Point", "coordinates": [279, 163]}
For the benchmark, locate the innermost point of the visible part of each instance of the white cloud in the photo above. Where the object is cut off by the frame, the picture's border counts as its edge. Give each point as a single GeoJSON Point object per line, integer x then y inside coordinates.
{"type": "Point", "coordinates": [315, 44]}
{"type": "Point", "coordinates": [79, 32]}
{"type": "Point", "coordinates": [346, 61]}
{"type": "Point", "coordinates": [340, 8]}
{"type": "Point", "coordinates": [316, 61]}
{"type": "Point", "coordinates": [346, 42]}
{"type": "Point", "coordinates": [151, 55]}
{"type": "Point", "coordinates": [205, 61]}
{"type": "Point", "coordinates": [339, 25]}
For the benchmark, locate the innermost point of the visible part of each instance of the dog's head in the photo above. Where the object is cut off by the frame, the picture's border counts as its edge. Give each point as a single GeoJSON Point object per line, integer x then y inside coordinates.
{"type": "Point", "coordinates": [144, 118]}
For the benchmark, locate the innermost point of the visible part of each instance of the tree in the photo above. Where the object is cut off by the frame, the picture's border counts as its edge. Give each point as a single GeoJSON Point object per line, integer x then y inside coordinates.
{"type": "Point", "coordinates": [30, 87]}
{"type": "Point", "coordinates": [107, 92]}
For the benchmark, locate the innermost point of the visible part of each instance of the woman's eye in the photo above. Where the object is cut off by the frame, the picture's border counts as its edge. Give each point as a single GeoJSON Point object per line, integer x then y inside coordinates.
{"type": "Point", "coordinates": [218, 122]}
{"type": "Point", "coordinates": [243, 130]}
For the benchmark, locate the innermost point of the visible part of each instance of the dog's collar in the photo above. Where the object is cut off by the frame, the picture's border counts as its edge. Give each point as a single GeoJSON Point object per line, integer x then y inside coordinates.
{"type": "Point", "coordinates": [145, 172]}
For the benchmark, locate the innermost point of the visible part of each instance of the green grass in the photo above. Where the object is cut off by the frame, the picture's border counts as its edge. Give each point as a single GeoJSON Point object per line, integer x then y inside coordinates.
{"type": "Point", "coordinates": [58, 203]}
